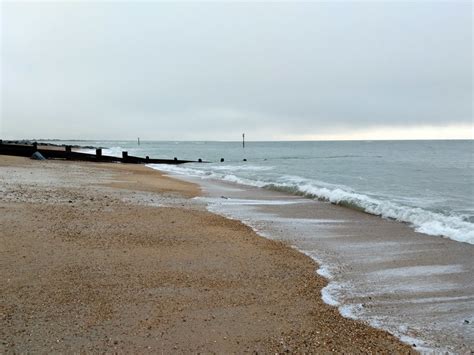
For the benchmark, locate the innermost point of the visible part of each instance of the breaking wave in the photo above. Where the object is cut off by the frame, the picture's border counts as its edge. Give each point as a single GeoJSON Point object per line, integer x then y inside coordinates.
{"type": "Point", "coordinates": [112, 151]}
{"type": "Point", "coordinates": [424, 221]}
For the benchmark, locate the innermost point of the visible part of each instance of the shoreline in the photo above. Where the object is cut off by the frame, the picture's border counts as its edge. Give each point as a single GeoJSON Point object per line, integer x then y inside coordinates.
{"type": "Point", "coordinates": [430, 305]}
{"type": "Point", "coordinates": [170, 278]}
{"type": "Point", "coordinates": [438, 225]}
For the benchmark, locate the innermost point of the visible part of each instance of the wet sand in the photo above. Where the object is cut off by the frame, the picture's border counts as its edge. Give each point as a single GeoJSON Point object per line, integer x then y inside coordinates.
{"type": "Point", "coordinates": [418, 286]}
{"type": "Point", "coordinates": [118, 258]}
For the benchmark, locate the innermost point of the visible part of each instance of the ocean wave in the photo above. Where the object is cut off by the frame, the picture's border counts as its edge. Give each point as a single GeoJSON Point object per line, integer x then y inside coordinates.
{"type": "Point", "coordinates": [113, 151]}
{"type": "Point", "coordinates": [242, 168]}
{"type": "Point", "coordinates": [424, 221]}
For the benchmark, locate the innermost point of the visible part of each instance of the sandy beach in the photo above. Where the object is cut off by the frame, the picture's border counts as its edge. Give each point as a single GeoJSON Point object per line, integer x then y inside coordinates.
{"type": "Point", "coordinates": [117, 258]}
{"type": "Point", "coordinates": [417, 286]}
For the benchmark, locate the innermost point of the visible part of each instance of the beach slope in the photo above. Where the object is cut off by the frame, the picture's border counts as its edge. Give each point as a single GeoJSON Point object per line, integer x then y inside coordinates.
{"type": "Point", "coordinates": [118, 258]}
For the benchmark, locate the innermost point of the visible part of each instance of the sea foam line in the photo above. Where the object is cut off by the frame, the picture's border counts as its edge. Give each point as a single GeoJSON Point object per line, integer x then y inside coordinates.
{"type": "Point", "coordinates": [423, 221]}
{"type": "Point", "coordinates": [333, 293]}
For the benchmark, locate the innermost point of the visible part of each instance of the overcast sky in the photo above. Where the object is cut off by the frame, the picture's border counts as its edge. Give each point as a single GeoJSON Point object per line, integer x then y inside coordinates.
{"type": "Point", "coordinates": [210, 71]}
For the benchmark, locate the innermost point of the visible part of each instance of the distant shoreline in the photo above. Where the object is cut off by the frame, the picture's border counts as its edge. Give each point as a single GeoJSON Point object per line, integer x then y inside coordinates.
{"type": "Point", "coordinates": [46, 143]}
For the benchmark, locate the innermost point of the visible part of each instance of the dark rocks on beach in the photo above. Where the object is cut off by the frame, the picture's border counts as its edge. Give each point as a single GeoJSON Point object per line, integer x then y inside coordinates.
{"type": "Point", "coordinates": [38, 156]}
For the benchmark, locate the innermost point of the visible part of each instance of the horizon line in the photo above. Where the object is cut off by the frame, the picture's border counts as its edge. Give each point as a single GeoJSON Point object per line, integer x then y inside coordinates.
{"type": "Point", "coordinates": [238, 141]}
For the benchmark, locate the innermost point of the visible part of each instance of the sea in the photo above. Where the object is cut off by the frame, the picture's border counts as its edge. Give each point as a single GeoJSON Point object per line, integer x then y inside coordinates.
{"type": "Point", "coordinates": [390, 223]}
{"type": "Point", "coordinates": [427, 184]}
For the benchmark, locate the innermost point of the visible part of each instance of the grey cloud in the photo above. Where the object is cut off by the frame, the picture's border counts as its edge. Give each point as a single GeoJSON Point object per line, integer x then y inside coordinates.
{"type": "Point", "coordinates": [117, 70]}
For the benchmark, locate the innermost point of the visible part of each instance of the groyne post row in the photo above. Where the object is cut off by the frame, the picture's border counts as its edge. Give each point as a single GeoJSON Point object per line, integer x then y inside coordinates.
{"type": "Point", "coordinates": [55, 152]}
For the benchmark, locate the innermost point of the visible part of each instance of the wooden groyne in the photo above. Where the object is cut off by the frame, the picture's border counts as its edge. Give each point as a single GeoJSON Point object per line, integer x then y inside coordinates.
{"type": "Point", "coordinates": [66, 153]}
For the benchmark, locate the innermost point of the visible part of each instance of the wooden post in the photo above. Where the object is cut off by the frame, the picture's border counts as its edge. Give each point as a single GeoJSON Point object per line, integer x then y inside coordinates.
{"type": "Point", "coordinates": [68, 149]}
{"type": "Point", "coordinates": [35, 146]}
{"type": "Point", "coordinates": [147, 158]}
{"type": "Point", "coordinates": [98, 152]}
{"type": "Point", "coordinates": [124, 156]}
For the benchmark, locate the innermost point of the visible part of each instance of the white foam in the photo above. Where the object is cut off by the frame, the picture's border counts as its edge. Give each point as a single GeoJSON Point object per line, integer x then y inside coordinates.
{"type": "Point", "coordinates": [324, 269]}
{"type": "Point", "coordinates": [402, 333]}
{"type": "Point", "coordinates": [327, 296]}
{"type": "Point", "coordinates": [324, 272]}
{"type": "Point", "coordinates": [206, 174]}
{"type": "Point", "coordinates": [332, 293]}
{"type": "Point", "coordinates": [242, 168]}
{"type": "Point", "coordinates": [336, 293]}
{"type": "Point", "coordinates": [113, 151]}
{"type": "Point", "coordinates": [423, 221]}
{"type": "Point", "coordinates": [249, 202]}
{"type": "Point", "coordinates": [351, 311]}
{"type": "Point", "coordinates": [417, 271]}
{"type": "Point", "coordinates": [410, 287]}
